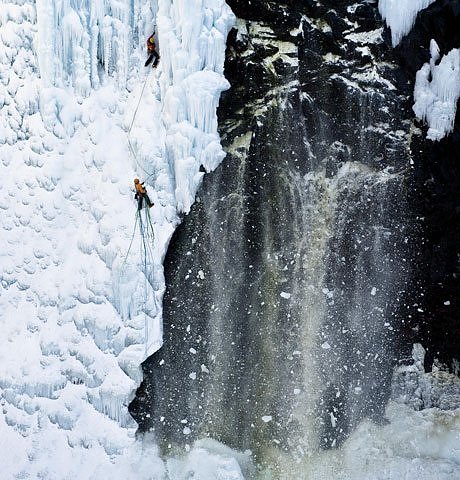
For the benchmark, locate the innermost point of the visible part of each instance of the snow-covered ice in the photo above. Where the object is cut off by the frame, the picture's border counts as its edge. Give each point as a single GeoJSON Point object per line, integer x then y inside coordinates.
{"type": "Point", "coordinates": [437, 90]}
{"type": "Point", "coordinates": [78, 315]}
{"type": "Point", "coordinates": [400, 15]}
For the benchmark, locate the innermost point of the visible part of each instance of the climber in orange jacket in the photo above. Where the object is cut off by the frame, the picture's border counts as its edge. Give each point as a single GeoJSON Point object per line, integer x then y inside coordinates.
{"type": "Point", "coordinates": [153, 54]}
{"type": "Point", "coordinates": [141, 193]}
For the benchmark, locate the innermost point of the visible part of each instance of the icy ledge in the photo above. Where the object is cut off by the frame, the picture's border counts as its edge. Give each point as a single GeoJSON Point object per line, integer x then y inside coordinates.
{"type": "Point", "coordinates": [400, 15]}
{"type": "Point", "coordinates": [436, 92]}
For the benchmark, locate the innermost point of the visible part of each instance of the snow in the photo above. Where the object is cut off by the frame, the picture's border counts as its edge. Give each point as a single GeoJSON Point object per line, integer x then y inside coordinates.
{"type": "Point", "coordinates": [80, 309]}
{"type": "Point", "coordinates": [208, 460]}
{"type": "Point", "coordinates": [436, 92]}
{"type": "Point", "coordinates": [400, 15]}
{"type": "Point", "coordinates": [413, 444]}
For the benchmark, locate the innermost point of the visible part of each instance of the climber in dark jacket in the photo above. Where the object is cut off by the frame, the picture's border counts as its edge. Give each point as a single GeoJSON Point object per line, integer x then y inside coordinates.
{"type": "Point", "coordinates": [153, 54]}
{"type": "Point", "coordinates": [141, 193]}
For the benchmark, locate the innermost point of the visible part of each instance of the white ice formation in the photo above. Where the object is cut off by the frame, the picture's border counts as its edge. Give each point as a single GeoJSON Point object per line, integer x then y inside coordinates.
{"type": "Point", "coordinates": [400, 15]}
{"type": "Point", "coordinates": [436, 92]}
{"type": "Point", "coordinates": [426, 390]}
{"type": "Point", "coordinates": [77, 314]}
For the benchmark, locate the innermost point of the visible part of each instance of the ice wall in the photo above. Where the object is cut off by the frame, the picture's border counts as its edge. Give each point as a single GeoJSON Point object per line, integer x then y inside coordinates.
{"type": "Point", "coordinates": [180, 133]}
{"type": "Point", "coordinates": [193, 35]}
{"type": "Point", "coordinates": [437, 90]}
{"type": "Point", "coordinates": [78, 40]}
{"type": "Point", "coordinates": [400, 15]}
{"type": "Point", "coordinates": [77, 313]}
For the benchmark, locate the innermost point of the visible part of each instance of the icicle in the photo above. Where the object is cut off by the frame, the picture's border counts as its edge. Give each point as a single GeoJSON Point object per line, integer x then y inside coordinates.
{"type": "Point", "coordinates": [400, 15]}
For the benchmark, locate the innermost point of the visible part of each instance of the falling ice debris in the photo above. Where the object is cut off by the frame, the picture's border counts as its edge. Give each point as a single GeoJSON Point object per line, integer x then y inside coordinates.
{"type": "Point", "coordinates": [193, 375]}
{"type": "Point", "coordinates": [267, 418]}
{"type": "Point", "coordinates": [285, 295]}
{"type": "Point", "coordinates": [327, 292]}
{"type": "Point", "coordinates": [325, 346]}
{"type": "Point", "coordinates": [333, 420]}
{"type": "Point", "coordinates": [373, 291]}
{"type": "Point", "coordinates": [201, 274]}
{"type": "Point", "coordinates": [192, 351]}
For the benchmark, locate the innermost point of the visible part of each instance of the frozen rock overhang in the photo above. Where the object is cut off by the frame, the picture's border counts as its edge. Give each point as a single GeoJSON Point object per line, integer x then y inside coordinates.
{"type": "Point", "coordinates": [400, 15]}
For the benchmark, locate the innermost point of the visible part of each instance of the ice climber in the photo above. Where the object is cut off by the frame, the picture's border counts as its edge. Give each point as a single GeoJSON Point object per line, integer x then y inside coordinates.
{"type": "Point", "coordinates": [141, 193]}
{"type": "Point", "coordinates": [153, 54]}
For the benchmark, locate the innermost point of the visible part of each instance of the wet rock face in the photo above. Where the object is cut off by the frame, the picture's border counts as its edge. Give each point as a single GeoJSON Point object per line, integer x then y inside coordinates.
{"type": "Point", "coordinates": [436, 196]}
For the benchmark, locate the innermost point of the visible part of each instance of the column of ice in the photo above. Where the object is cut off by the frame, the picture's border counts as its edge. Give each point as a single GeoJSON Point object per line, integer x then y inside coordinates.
{"type": "Point", "coordinates": [192, 37]}
{"type": "Point", "coordinates": [400, 15]}
{"type": "Point", "coordinates": [437, 90]}
{"type": "Point", "coordinates": [75, 40]}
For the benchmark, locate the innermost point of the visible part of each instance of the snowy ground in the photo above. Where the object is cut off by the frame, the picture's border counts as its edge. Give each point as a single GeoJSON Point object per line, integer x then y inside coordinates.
{"type": "Point", "coordinates": [77, 314]}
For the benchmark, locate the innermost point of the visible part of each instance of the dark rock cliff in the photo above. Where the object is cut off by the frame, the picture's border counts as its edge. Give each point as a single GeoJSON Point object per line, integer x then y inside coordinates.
{"type": "Point", "coordinates": [436, 196]}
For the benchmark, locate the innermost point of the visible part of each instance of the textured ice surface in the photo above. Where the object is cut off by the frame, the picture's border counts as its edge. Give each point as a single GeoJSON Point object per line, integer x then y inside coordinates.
{"type": "Point", "coordinates": [77, 315]}
{"type": "Point", "coordinates": [400, 15]}
{"type": "Point", "coordinates": [436, 92]}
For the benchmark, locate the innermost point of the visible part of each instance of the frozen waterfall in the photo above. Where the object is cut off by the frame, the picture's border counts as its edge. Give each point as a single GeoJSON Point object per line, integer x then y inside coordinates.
{"type": "Point", "coordinates": [78, 314]}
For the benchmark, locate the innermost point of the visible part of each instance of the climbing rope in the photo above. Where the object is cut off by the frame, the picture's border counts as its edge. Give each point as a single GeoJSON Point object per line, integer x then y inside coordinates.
{"type": "Point", "coordinates": [131, 126]}
{"type": "Point", "coordinates": [138, 104]}
{"type": "Point", "coordinates": [131, 243]}
{"type": "Point", "coordinates": [146, 230]}
{"type": "Point", "coordinates": [151, 226]}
